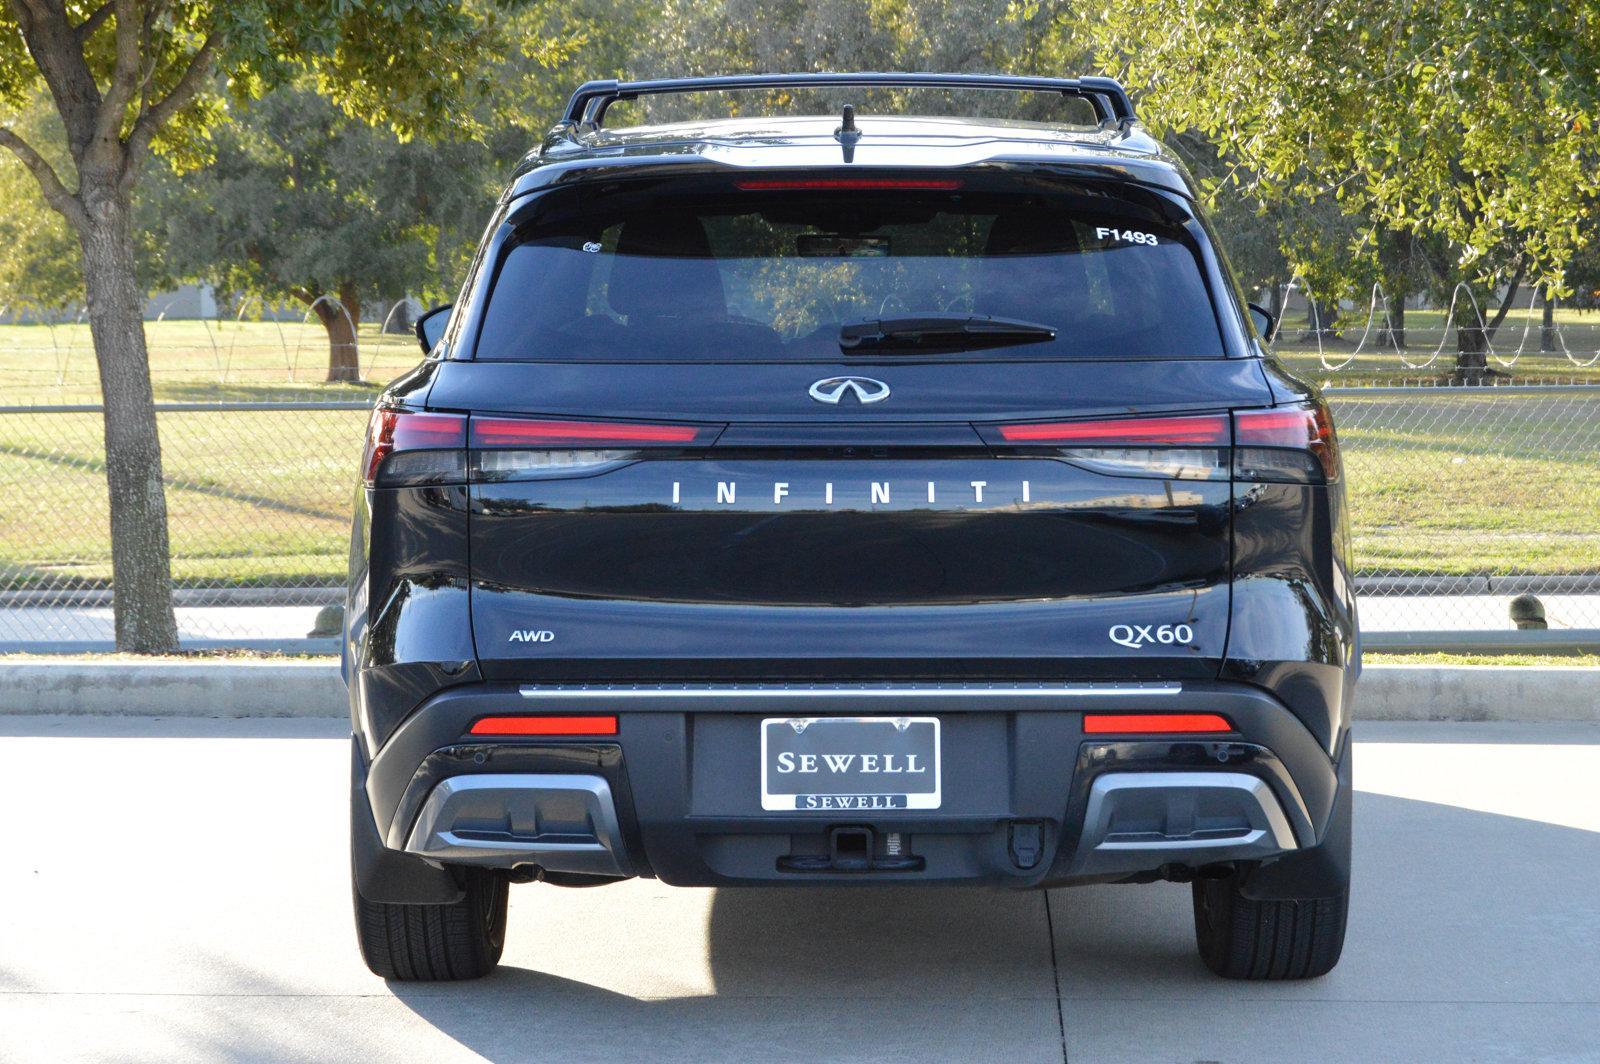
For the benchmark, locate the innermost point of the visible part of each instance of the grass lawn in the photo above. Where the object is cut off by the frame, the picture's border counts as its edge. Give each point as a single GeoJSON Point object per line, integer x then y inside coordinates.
{"type": "Point", "coordinates": [1588, 661]}
{"type": "Point", "coordinates": [1473, 484]}
{"type": "Point", "coordinates": [200, 361]}
{"type": "Point", "coordinates": [253, 498]}
{"type": "Point", "coordinates": [1443, 484]}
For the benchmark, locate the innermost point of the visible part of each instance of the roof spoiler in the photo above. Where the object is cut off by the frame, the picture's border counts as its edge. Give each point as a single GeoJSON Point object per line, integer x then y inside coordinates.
{"type": "Point", "coordinates": [587, 108]}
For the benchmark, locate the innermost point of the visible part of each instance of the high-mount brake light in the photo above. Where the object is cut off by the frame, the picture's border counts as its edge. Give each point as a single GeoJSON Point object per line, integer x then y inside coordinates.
{"type": "Point", "coordinates": [585, 727]}
{"type": "Point", "coordinates": [1154, 723]}
{"type": "Point", "coordinates": [861, 184]}
{"type": "Point", "coordinates": [436, 439]}
{"type": "Point", "coordinates": [1205, 429]}
{"type": "Point", "coordinates": [1285, 444]}
{"type": "Point", "coordinates": [524, 432]}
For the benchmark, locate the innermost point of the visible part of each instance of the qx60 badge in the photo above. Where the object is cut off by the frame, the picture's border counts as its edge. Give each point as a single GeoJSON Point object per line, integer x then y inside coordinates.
{"type": "Point", "coordinates": [831, 390]}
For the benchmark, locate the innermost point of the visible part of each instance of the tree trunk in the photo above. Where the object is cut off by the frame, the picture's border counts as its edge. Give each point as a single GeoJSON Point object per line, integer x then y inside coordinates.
{"type": "Point", "coordinates": [141, 565]}
{"type": "Point", "coordinates": [1321, 320]}
{"type": "Point", "coordinates": [1508, 301]}
{"type": "Point", "coordinates": [1472, 355]}
{"type": "Point", "coordinates": [1472, 341]}
{"type": "Point", "coordinates": [1548, 343]}
{"type": "Point", "coordinates": [1392, 333]}
{"type": "Point", "coordinates": [341, 317]}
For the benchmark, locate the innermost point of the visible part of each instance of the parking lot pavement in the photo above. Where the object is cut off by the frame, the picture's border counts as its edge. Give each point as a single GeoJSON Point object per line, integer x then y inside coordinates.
{"type": "Point", "coordinates": [177, 890]}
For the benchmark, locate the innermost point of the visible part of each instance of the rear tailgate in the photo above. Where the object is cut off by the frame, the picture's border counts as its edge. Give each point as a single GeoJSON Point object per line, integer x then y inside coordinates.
{"type": "Point", "coordinates": [788, 540]}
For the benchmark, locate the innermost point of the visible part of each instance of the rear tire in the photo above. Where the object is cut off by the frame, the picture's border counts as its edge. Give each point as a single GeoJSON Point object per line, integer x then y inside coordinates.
{"type": "Point", "coordinates": [425, 943]}
{"type": "Point", "coordinates": [1245, 938]}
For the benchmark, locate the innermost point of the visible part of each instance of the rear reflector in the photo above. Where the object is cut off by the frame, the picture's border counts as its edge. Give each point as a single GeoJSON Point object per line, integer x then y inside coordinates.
{"type": "Point", "coordinates": [520, 432]}
{"type": "Point", "coordinates": [1176, 431]}
{"type": "Point", "coordinates": [1165, 723]}
{"type": "Point", "coordinates": [859, 183]}
{"type": "Point", "coordinates": [545, 726]}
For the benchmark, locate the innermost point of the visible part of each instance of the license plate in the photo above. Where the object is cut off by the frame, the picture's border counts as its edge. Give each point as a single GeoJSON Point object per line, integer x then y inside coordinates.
{"type": "Point", "coordinates": [844, 764]}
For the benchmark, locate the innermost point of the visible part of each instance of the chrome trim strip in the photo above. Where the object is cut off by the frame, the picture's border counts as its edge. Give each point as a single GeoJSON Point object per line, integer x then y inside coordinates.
{"type": "Point", "coordinates": [841, 690]}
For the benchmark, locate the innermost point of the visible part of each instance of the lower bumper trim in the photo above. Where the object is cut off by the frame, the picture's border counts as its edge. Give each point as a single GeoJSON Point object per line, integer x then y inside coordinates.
{"type": "Point", "coordinates": [561, 823]}
{"type": "Point", "coordinates": [1137, 821]}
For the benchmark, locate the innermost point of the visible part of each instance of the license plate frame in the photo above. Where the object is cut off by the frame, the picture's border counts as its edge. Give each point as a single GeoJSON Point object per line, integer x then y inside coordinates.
{"type": "Point", "coordinates": [854, 735]}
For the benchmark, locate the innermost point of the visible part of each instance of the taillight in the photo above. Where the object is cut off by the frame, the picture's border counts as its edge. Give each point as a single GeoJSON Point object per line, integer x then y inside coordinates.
{"type": "Point", "coordinates": [1184, 447]}
{"type": "Point", "coordinates": [1294, 443]}
{"type": "Point", "coordinates": [1164, 431]}
{"type": "Point", "coordinates": [1154, 723]}
{"type": "Point", "coordinates": [506, 448]}
{"type": "Point", "coordinates": [408, 447]}
{"type": "Point", "coordinates": [523, 432]}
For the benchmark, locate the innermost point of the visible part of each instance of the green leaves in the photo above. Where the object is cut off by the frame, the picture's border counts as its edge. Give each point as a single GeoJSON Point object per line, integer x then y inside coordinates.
{"type": "Point", "coordinates": [1468, 126]}
{"type": "Point", "coordinates": [300, 197]}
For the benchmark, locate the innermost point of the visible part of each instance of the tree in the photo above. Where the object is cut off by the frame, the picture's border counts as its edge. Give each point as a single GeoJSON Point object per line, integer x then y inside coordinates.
{"type": "Point", "coordinates": [729, 36]}
{"type": "Point", "coordinates": [302, 201]}
{"type": "Point", "coordinates": [1468, 125]}
{"type": "Point", "coordinates": [129, 77]}
{"type": "Point", "coordinates": [38, 253]}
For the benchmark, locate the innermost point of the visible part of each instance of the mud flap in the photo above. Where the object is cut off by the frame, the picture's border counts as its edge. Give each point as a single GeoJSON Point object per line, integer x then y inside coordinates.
{"type": "Point", "coordinates": [1321, 871]}
{"type": "Point", "coordinates": [382, 874]}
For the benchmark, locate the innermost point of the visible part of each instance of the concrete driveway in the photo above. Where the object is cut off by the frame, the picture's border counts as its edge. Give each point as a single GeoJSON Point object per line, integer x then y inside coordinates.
{"type": "Point", "coordinates": [176, 890]}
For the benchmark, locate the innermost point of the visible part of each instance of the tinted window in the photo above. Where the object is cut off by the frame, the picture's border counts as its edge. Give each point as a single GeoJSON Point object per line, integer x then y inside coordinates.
{"type": "Point", "coordinates": [733, 272]}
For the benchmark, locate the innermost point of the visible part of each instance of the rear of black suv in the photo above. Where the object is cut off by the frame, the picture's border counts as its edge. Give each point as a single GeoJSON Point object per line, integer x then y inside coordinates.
{"type": "Point", "coordinates": [911, 503]}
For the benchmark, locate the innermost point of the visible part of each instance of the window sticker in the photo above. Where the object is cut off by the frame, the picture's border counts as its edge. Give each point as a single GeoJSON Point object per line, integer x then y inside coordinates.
{"type": "Point", "coordinates": [1125, 236]}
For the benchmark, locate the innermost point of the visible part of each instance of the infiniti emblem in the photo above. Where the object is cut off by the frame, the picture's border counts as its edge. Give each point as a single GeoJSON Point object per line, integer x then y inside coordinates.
{"type": "Point", "coordinates": [832, 389]}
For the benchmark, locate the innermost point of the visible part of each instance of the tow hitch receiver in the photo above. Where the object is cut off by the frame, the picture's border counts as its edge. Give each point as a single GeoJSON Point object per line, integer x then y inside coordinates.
{"type": "Point", "coordinates": [853, 848]}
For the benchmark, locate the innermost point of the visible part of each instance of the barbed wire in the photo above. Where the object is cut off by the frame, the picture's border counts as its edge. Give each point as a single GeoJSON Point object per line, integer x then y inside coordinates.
{"type": "Point", "coordinates": [222, 344]}
{"type": "Point", "coordinates": [1318, 328]}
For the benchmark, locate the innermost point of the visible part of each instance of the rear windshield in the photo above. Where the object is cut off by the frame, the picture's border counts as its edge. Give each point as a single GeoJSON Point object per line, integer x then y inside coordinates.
{"type": "Point", "coordinates": [754, 269]}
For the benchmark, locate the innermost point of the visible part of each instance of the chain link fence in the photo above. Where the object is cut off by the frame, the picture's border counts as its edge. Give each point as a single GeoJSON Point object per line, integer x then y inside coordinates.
{"type": "Point", "coordinates": [1461, 499]}
{"type": "Point", "coordinates": [259, 498]}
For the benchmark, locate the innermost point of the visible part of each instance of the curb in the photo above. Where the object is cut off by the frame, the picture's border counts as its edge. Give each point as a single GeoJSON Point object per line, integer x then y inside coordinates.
{"type": "Point", "coordinates": [1479, 692]}
{"type": "Point", "coordinates": [314, 689]}
{"type": "Point", "coordinates": [173, 689]}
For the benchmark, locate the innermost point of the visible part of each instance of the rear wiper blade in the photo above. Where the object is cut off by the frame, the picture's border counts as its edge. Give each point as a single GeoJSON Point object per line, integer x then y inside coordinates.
{"type": "Point", "coordinates": [939, 332]}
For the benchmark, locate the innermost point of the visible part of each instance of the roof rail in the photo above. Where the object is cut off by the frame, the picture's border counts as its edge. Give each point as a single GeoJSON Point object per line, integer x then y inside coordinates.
{"type": "Point", "coordinates": [1106, 95]}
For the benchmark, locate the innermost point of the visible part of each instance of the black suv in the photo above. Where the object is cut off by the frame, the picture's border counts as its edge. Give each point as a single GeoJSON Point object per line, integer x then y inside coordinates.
{"type": "Point", "coordinates": [842, 500]}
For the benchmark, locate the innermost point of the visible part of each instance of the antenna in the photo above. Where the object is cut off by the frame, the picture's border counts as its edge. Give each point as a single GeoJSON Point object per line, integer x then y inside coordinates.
{"type": "Point", "coordinates": [847, 124]}
{"type": "Point", "coordinates": [847, 133]}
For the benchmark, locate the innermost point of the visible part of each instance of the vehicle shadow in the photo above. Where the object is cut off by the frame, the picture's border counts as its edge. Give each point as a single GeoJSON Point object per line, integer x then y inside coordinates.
{"type": "Point", "coordinates": [1450, 906]}
{"type": "Point", "coordinates": [791, 975]}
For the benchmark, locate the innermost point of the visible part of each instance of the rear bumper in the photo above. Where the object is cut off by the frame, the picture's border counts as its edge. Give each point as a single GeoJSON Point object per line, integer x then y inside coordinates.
{"type": "Point", "coordinates": [1029, 798]}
